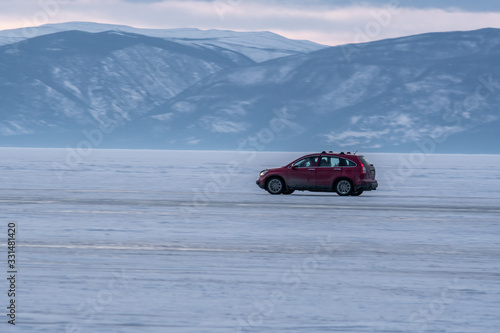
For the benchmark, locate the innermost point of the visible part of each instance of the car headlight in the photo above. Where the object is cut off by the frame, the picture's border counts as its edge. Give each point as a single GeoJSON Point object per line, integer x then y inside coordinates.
{"type": "Point", "coordinates": [263, 172]}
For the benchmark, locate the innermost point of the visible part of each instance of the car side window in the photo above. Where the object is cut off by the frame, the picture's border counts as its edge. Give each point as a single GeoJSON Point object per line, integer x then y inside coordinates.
{"type": "Point", "coordinates": [324, 161]}
{"type": "Point", "coordinates": [306, 162]}
{"type": "Point", "coordinates": [328, 162]}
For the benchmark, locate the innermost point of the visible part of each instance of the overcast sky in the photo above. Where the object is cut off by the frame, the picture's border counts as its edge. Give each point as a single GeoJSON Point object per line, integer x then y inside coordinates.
{"type": "Point", "coordinates": [328, 22]}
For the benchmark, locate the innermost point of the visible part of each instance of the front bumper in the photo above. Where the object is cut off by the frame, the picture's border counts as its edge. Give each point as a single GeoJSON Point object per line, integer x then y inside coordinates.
{"type": "Point", "coordinates": [371, 186]}
{"type": "Point", "coordinates": [260, 184]}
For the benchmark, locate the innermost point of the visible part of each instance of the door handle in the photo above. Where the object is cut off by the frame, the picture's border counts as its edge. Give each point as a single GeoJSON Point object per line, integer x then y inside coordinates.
{"type": "Point", "coordinates": [337, 169]}
{"type": "Point", "coordinates": [311, 169]}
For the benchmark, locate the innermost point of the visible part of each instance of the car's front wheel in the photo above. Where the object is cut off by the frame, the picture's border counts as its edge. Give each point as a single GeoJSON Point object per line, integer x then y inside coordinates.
{"type": "Point", "coordinates": [275, 186]}
{"type": "Point", "coordinates": [343, 187]}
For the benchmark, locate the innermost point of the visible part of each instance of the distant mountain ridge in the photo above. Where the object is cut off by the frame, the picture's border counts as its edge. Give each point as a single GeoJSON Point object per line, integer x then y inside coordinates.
{"type": "Point", "coordinates": [76, 78]}
{"type": "Point", "coordinates": [391, 93]}
{"type": "Point", "coordinates": [259, 46]}
{"type": "Point", "coordinates": [215, 90]}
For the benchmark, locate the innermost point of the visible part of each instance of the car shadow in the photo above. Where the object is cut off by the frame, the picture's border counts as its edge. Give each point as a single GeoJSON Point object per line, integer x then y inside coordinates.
{"type": "Point", "coordinates": [326, 195]}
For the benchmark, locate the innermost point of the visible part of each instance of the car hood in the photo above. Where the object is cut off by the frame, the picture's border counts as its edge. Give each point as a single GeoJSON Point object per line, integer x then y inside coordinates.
{"type": "Point", "coordinates": [275, 169]}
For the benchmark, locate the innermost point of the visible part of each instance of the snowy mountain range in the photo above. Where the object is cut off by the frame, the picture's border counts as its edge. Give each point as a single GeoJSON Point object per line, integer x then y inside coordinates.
{"type": "Point", "coordinates": [193, 89]}
{"type": "Point", "coordinates": [258, 46]}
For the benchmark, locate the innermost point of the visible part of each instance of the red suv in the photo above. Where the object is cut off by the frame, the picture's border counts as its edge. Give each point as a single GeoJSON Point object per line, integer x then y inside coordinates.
{"type": "Point", "coordinates": [344, 173]}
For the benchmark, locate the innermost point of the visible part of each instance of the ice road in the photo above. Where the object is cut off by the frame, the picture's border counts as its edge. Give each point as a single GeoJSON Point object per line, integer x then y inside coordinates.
{"type": "Point", "coordinates": [178, 241]}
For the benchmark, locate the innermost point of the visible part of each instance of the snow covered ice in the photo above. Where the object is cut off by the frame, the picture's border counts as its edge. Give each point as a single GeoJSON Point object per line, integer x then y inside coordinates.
{"type": "Point", "coordinates": [184, 241]}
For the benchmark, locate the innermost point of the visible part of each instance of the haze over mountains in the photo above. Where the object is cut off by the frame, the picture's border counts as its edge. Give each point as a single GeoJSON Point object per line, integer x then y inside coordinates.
{"type": "Point", "coordinates": [192, 89]}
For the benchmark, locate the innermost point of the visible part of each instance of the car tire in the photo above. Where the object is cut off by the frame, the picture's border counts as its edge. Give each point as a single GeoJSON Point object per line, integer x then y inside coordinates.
{"type": "Point", "coordinates": [275, 186]}
{"type": "Point", "coordinates": [287, 192]}
{"type": "Point", "coordinates": [357, 193]}
{"type": "Point", "coordinates": [343, 187]}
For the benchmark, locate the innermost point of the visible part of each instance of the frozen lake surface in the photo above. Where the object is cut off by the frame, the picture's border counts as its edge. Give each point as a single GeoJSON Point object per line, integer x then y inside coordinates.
{"type": "Point", "coordinates": [176, 241]}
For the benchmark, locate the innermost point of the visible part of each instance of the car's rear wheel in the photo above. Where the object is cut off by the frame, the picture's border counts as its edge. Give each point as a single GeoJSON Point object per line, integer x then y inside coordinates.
{"type": "Point", "coordinates": [343, 187]}
{"type": "Point", "coordinates": [357, 193]}
{"type": "Point", "coordinates": [275, 186]}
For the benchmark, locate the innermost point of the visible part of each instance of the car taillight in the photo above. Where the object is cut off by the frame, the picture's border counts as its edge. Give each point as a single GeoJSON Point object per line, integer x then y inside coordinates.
{"type": "Point", "coordinates": [363, 169]}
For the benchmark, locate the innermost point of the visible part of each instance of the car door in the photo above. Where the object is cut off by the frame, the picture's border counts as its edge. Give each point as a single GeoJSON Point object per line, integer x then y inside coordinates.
{"type": "Point", "coordinates": [301, 174]}
{"type": "Point", "coordinates": [327, 171]}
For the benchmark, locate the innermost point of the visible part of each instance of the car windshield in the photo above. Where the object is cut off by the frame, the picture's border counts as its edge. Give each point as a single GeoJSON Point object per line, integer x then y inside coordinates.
{"type": "Point", "coordinates": [306, 162]}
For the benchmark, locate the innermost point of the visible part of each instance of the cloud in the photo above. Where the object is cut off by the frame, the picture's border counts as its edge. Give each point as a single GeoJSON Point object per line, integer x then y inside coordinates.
{"type": "Point", "coordinates": [166, 117]}
{"type": "Point", "coordinates": [192, 141]}
{"type": "Point", "coordinates": [143, 1]}
{"type": "Point", "coordinates": [221, 125]}
{"type": "Point", "coordinates": [352, 138]}
{"type": "Point", "coordinates": [464, 5]}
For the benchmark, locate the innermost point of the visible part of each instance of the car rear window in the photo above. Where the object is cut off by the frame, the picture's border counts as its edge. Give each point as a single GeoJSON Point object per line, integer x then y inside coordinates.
{"type": "Point", "coordinates": [364, 160]}
{"type": "Point", "coordinates": [350, 163]}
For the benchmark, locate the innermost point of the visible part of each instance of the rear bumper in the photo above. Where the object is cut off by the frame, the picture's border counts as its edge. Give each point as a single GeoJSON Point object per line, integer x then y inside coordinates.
{"type": "Point", "coordinates": [371, 186]}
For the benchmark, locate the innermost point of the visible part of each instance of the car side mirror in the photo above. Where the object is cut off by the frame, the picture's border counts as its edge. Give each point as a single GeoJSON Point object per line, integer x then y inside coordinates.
{"type": "Point", "coordinates": [293, 167]}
